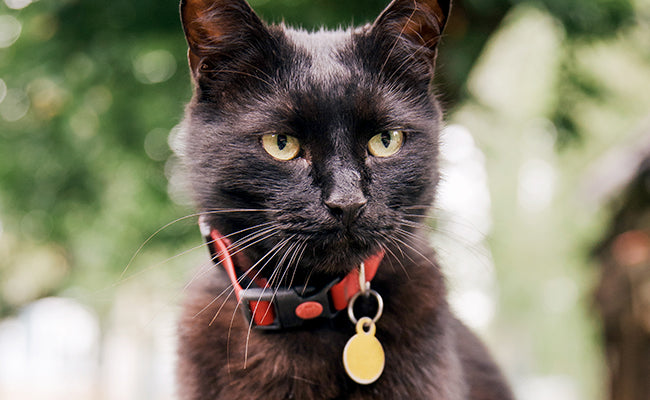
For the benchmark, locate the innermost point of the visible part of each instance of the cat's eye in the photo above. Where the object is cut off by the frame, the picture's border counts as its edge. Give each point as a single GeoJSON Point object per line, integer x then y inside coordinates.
{"type": "Point", "coordinates": [280, 146]}
{"type": "Point", "coordinates": [386, 144]}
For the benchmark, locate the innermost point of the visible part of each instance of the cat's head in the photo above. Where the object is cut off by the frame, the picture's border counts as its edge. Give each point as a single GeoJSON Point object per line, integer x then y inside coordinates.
{"type": "Point", "coordinates": [332, 134]}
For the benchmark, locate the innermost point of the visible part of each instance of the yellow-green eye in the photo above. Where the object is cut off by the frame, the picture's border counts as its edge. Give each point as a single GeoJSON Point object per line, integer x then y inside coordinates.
{"type": "Point", "coordinates": [386, 144]}
{"type": "Point", "coordinates": [281, 147]}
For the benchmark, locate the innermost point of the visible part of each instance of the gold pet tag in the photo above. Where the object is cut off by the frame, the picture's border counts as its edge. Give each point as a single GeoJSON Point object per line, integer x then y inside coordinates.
{"type": "Point", "coordinates": [363, 356]}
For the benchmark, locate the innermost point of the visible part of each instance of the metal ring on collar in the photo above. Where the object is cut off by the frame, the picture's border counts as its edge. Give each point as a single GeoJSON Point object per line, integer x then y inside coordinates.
{"type": "Point", "coordinates": [370, 292]}
{"type": "Point", "coordinates": [364, 286]}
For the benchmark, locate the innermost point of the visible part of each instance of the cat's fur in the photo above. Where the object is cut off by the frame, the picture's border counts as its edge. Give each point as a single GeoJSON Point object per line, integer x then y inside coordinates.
{"type": "Point", "coordinates": [335, 202]}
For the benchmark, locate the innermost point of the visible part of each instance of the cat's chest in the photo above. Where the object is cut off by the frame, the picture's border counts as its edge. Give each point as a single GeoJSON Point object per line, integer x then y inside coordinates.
{"type": "Point", "coordinates": [222, 355]}
{"type": "Point", "coordinates": [309, 365]}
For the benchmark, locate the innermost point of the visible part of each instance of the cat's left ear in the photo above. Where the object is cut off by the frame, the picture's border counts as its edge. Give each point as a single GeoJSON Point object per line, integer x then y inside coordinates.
{"type": "Point", "coordinates": [419, 22]}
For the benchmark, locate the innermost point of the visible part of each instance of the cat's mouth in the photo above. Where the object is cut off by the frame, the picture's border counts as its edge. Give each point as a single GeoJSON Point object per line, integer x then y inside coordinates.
{"type": "Point", "coordinates": [338, 251]}
{"type": "Point", "coordinates": [312, 251]}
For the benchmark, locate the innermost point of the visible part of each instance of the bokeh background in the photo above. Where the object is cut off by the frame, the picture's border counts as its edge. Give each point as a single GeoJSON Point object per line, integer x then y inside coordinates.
{"type": "Point", "coordinates": [547, 103]}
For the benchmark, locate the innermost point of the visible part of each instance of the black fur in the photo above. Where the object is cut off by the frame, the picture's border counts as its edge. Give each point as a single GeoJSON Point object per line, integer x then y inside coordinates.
{"type": "Point", "coordinates": [333, 91]}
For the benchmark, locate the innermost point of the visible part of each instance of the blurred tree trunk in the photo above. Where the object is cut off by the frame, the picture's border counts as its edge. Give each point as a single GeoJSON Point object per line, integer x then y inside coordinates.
{"type": "Point", "coordinates": [623, 294]}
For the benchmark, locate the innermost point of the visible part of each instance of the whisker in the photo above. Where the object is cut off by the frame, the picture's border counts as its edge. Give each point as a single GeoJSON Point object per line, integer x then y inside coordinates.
{"type": "Point", "coordinates": [240, 73]}
{"type": "Point", "coordinates": [137, 252]}
{"type": "Point", "coordinates": [244, 275]}
{"type": "Point", "coordinates": [307, 281]}
{"type": "Point", "coordinates": [275, 275]}
{"type": "Point", "coordinates": [269, 77]}
{"type": "Point", "coordinates": [410, 57]}
{"type": "Point", "coordinates": [250, 325]}
{"type": "Point", "coordinates": [415, 250]}
{"type": "Point", "coordinates": [250, 240]}
{"type": "Point", "coordinates": [302, 251]}
{"type": "Point", "coordinates": [480, 252]}
{"type": "Point", "coordinates": [390, 239]}
{"type": "Point", "coordinates": [416, 207]}
{"type": "Point", "coordinates": [397, 39]}
{"type": "Point", "coordinates": [394, 256]}
{"type": "Point", "coordinates": [156, 265]}
{"type": "Point", "coordinates": [271, 253]}
{"type": "Point", "coordinates": [419, 238]}
{"type": "Point", "coordinates": [290, 250]}
{"type": "Point", "coordinates": [167, 225]}
{"type": "Point", "coordinates": [269, 233]}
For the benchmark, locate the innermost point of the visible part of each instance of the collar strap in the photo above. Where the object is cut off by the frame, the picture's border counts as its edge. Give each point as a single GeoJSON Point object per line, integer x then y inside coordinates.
{"type": "Point", "coordinates": [273, 309]}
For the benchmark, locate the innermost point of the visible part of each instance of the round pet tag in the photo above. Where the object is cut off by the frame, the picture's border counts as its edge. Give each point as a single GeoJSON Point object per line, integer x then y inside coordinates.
{"type": "Point", "coordinates": [363, 356]}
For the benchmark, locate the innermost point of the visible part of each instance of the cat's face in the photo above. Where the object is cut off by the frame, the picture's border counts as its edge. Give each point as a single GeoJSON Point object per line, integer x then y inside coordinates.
{"type": "Point", "coordinates": [333, 135]}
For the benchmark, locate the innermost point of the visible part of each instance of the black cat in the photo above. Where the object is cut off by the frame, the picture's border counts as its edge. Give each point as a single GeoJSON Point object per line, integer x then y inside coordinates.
{"type": "Point", "coordinates": [312, 157]}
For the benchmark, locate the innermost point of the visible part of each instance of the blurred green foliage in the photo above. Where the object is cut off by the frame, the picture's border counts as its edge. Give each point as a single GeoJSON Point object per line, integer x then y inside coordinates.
{"type": "Point", "coordinates": [92, 89]}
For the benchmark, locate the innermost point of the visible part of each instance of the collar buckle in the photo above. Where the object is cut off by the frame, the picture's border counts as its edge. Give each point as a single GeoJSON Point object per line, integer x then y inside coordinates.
{"type": "Point", "coordinates": [275, 309]}
{"type": "Point", "coordinates": [290, 308]}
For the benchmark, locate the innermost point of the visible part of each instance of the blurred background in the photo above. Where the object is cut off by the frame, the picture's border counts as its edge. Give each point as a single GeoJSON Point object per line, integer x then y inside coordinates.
{"type": "Point", "coordinates": [542, 221]}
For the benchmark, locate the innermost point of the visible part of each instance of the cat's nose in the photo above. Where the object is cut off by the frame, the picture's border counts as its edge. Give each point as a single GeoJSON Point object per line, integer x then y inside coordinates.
{"type": "Point", "coordinates": [346, 205]}
{"type": "Point", "coordinates": [344, 194]}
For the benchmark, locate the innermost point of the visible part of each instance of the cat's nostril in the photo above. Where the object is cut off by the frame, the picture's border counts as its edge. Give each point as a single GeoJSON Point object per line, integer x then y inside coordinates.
{"type": "Point", "coordinates": [346, 209]}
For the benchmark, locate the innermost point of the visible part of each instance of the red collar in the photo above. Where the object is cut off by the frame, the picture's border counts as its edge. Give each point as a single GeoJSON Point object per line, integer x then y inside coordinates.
{"type": "Point", "coordinates": [287, 307]}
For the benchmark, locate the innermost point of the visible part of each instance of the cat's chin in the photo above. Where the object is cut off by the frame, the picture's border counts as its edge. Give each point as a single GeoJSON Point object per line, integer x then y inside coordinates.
{"type": "Point", "coordinates": [338, 251]}
{"type": "Point", "coordinates": [338, 258]}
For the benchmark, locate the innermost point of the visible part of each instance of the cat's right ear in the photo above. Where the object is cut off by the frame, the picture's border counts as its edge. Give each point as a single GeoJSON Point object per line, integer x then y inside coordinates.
{"type": "Point", "coordinates": [418, 22]}
{"type": "Point", "coordinates": [218, 28]}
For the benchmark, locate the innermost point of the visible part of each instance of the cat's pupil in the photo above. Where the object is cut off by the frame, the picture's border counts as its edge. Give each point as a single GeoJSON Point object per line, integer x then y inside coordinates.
{"type": "Point", "coordinates": [385, 139]}
{"type": "Point", "coordinates": [282, 141]}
